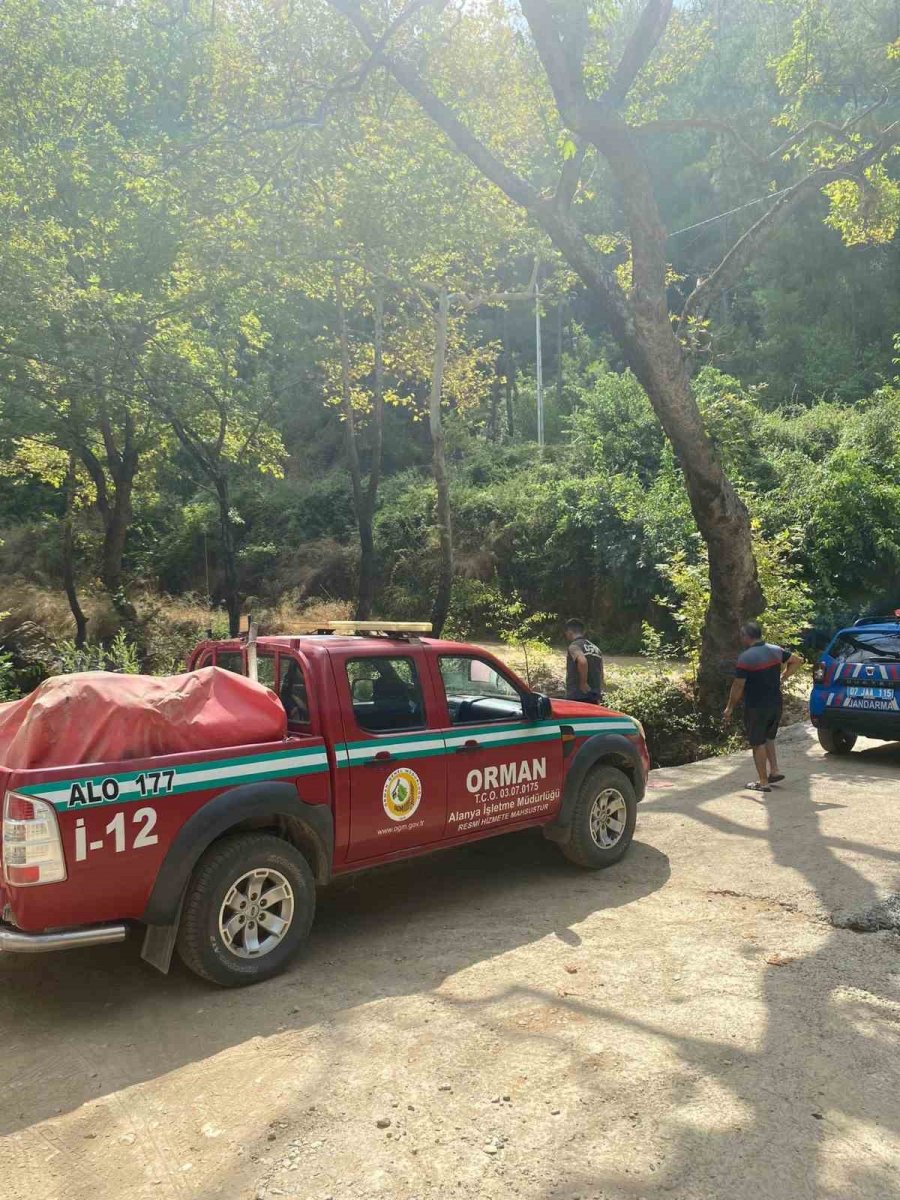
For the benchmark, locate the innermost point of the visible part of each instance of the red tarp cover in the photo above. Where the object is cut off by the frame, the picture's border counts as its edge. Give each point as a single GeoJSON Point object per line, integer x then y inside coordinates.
{"type": "Point", "coordinates": [98, 716]}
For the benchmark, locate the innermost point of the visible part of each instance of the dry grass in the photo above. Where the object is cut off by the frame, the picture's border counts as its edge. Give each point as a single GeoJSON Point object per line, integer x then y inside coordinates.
{"type": "Point", "coordinates": [29, 609]}
{"type": "Point", "coordinates": [547, 667]}
{"type": "Point", "coordinates": [287, 615]}
{"type": "Point", "coordinates": [32, 611]}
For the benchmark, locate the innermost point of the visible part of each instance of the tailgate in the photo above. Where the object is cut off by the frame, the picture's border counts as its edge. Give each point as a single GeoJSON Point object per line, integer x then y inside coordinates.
{"type": "Point", "coordinates": [865, 687]}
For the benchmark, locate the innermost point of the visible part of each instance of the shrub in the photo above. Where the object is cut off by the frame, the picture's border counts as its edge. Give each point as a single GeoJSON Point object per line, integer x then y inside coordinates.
{"type": "Point", "coordinates": [666, 710]}
{"type": "Point", "coordinates": [8, 688]}
{"type": "Point", "coordinates": [120, 655]}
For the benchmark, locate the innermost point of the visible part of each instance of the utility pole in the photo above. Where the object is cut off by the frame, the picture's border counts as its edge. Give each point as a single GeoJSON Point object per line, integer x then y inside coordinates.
{"type": "Point", "coordinates": [539, 367]}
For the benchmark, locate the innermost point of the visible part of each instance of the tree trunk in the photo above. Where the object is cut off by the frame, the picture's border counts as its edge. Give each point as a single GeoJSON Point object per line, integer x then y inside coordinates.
{"type": "Point", "coordinates": [494, 414]}
{"type": "Point", "coordinates": [230, 589]}
{"type": "Point", "coordinates": [117, 521]}
{"type": "Point", "coordinates": [68, 561]}
{"type": "Point", "coordinates": [559, 358]}
{"type": "Point", "coordinates": [368, 559]}
{"type": "Point", "coordinates": [362, 508]}
{"type": "Point", "coordinates": [658, 361]}
{"type": "Point", "coordinates": [113, 503]}
{"type": "Point", "coordinates": [508, 376]}
{"type": "Point", "coordinates": [638, 318]}
{"type": "Point", "coordinates": [114, 536]}
{"type": "Point", "coordinates": [441, 605]}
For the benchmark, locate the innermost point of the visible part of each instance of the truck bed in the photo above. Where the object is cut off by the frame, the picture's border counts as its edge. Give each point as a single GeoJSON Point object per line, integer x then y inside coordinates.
{"type": "Point", "coordinates": [118, 819]}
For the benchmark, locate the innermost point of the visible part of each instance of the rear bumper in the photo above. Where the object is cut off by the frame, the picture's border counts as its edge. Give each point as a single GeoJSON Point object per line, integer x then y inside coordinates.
{"type": "Point", "coordinates": [15, 941]}
{"type": "Point", "coordinates": [882, 725]}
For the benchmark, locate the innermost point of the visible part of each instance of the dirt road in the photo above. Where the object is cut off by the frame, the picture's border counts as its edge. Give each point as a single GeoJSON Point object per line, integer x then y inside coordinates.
{"type": "Point", "coordinates": [493, 1023]}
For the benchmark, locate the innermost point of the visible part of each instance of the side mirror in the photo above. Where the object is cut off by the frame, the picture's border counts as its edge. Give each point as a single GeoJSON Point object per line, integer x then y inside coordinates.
{"type": "Point", "coordinates": [361, 691]}
{"type": "Point", "coordinates": [536, 706]}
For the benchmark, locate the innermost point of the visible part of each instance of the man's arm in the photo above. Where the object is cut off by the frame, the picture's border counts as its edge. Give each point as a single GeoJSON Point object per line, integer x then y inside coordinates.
{"type": "Point", "coordinates": [734, 698]}
{"type": "Point", "coordinates": [581, 667]}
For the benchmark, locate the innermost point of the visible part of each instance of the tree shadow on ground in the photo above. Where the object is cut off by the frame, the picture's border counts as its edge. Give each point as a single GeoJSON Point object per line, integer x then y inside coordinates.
{"type": "Point", "coordinates": [89, 1023]}
{"type": "Point", "coordinates": [821, 1086]}
{"type": "Point", "coordinates": [798, 1108]}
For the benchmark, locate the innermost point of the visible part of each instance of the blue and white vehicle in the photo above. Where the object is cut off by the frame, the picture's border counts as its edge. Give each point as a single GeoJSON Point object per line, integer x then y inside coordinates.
{"type": "Point", "coordinates": [856, 685]}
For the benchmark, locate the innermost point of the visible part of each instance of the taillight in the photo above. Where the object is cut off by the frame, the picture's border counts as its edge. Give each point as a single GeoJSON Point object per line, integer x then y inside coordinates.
{"type": "Point", "coordinates": [32, 847]}
{"type": "Point", "coordinates": [819, 672]}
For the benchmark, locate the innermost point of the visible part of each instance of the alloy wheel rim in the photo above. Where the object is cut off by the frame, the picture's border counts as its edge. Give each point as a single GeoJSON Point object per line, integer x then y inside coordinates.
{"type": "Point", "coordinates": [256, 913]}
{"type": "Point", "coordinates": [608, 817]}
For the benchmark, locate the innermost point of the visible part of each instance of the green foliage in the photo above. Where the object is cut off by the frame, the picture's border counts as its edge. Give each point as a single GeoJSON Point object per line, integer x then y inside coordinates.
{"type": "Point", "coordinates": [172, 224]}
{"type": "Point", "coordinates": [788, 599]}
{"type": "Point", "coordinates": [120, 656]}
{"type": "Point", "coordinates": [479, 609]}
{"type": "Point", "coordinates": [9, 689]}
{"type": "Point", "coordinates": [675, 730]}
{"type": "Point", "coordinates": [690, 583]}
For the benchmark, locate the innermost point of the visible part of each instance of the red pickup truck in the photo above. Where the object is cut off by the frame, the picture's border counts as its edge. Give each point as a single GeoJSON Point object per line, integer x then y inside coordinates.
{"type": "Point", "coordinates": [397, 745]}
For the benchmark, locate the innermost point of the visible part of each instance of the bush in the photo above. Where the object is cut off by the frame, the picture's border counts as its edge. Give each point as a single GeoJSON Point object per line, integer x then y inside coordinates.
{"type": "Point", "coordinates": [665, 709]}
{"type": "Point", "coordinates": [676, 732]}
{"type": "Point", "coordinates": [120, 656]}
{"type": "Point", "coordinates": [8, 687]}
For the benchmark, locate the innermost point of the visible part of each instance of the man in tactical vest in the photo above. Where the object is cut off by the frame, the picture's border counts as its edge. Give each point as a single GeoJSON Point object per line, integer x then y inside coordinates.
{"type": "Point", "coordinates": [584, 665]}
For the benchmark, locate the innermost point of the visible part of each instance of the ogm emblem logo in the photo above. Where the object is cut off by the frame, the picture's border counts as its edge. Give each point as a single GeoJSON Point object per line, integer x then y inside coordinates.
{"type": "Point", "coordinates": [401, 794]}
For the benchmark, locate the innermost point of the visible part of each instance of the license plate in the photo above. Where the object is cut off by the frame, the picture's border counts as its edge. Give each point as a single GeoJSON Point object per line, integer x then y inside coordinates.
{"type": "Point", "coordinates": [871, 693]}
{"type": "Point", "coordinates": [872, 705]}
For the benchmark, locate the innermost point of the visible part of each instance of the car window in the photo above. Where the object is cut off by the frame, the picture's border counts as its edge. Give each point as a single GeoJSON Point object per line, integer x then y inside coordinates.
{"type": "Point", "coordinates": [230, 660]}
{"type": "Point", "coordinates": [866, 646]}
{"type": "Point", "coordinates": [265, 670]}
{"type": "Point", "coordinates": [386, 693]}
{"type": "Point", "coordinates": [477, 692]}
{"type": "Point", "coordinates": [293, 692]}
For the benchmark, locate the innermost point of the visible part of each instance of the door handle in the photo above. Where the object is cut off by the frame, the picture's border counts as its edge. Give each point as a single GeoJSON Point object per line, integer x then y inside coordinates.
{"type": "Point", "coordinates": [383, 756]}
{"type": "Point", "coordinates": [466, 747]}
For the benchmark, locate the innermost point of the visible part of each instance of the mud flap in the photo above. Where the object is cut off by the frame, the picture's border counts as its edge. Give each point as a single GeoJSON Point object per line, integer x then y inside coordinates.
{"type": "Point", "coordinates": [159, 943]}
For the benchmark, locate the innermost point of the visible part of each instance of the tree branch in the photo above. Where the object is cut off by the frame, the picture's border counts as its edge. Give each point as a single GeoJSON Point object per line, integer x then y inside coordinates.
{"type": "Point", "coordinates": [837, 131]}
{"type": "Point", "coordinates": [513, 185]}
{"type": "Point", "coordinates": [109, 442]}
{"type": "Point", "coordinates": [95, 470]}
{"type": "Point", "coordinates": [559, 226]}
{"type": "Point", "coordinates": [702, 297]}
{"type": "Point", "coordinates": [564, 71]}
{"type": "Point", "coordinates": [717, 125]}
{"type": "Point", "coordinates": [710, 124]}
{"type": "Point", "coordinates": [569, 178]}
{"type": "Point", "coordinates": [650, 27]}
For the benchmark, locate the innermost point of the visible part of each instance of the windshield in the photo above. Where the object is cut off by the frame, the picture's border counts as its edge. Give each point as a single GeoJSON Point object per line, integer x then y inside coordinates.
{"type": "Point", "coordinates": [867, 646]}
{"type": "Point", "coordinates": [471, 678]}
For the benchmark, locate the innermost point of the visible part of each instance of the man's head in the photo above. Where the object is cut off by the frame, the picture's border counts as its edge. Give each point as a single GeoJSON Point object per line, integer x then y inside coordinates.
{"type": "Point", "coordinates": [751, 632]}
{"type": "Point", "coordinates": [573, 629]}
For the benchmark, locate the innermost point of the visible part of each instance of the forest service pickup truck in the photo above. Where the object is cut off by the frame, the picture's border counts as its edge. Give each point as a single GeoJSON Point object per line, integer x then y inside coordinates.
{"type": "Point", "coordinates": [397, 745]}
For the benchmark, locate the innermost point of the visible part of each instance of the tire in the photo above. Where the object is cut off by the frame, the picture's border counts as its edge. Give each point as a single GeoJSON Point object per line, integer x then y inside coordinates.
{"type": "Point", "coordinates": [604, 789]}
{"type": "Point", "coordinates": [835, 741]}
{"type": "Point", "coordinates": [218, 939]}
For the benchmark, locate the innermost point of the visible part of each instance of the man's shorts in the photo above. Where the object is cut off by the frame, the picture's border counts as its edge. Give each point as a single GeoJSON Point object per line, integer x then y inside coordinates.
{"type": "Point", "coordinates": [761, 724]}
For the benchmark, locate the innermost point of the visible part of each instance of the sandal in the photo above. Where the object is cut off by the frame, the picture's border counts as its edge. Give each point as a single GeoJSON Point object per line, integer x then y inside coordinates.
{"type": "Point", "coordinates": [776, 778]}
{"type": "Point", "coordinates": [756, 786]}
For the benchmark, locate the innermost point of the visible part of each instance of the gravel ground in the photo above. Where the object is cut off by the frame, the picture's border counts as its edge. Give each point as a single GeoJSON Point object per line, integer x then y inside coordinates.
{"type": "Point", "coordinates": [492, 1023]}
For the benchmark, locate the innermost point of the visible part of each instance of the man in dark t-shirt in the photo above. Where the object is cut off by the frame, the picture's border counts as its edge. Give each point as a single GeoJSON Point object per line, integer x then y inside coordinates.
{"type": "Point", "coordinates": [584, 665]}
{"type": "Point", "coordinates": [760, 670]}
